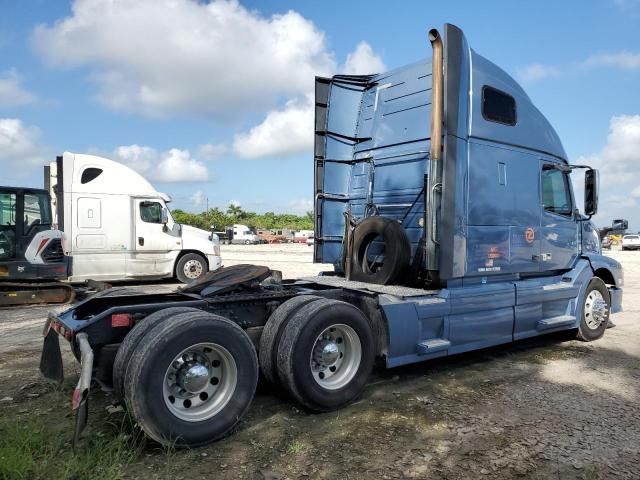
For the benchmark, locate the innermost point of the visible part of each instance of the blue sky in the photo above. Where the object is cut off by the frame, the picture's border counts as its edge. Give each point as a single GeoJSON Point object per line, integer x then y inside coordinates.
{"type": "Point", "coordinates": [220, 93]}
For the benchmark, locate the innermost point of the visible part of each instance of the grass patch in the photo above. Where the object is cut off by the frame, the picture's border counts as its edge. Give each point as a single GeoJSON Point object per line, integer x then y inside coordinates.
{"type": "Point", "coordinates": [30, 449]}
{"type": "Point", "coordinates": [295, 447]}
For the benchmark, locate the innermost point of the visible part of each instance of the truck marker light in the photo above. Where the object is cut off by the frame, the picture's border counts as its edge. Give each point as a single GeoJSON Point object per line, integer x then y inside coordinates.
{"type": "Point", "coordinates": [120, 320]}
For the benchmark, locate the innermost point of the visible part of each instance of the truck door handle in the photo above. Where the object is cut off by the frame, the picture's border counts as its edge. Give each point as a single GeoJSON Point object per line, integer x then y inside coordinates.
{"type": "Point", "coordinates": [141, 241]}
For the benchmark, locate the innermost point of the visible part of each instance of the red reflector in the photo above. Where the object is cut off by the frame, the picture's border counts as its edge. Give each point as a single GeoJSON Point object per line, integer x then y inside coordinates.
{"type": "Point", "coordinates": [120, 320]}
{"type": "Point", "coordinates": [75, 400]}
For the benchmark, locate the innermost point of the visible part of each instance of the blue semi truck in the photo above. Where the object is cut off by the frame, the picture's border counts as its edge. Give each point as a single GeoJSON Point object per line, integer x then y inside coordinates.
{"type": "Point", "coordinates": [442, 197]}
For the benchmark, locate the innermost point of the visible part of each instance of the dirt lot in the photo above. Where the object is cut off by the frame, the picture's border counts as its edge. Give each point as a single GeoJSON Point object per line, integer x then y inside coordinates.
{"type": "Point", "coordinates": [551, 407]}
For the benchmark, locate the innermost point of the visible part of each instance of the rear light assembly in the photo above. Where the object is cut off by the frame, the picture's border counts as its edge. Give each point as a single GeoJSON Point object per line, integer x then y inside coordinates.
{"type": "Point", "coordinates": [119, 320]}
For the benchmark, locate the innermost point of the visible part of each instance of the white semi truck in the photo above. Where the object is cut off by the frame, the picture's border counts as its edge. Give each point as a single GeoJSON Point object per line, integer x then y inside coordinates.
{"type": "Point", "coordinates": [118, 227]}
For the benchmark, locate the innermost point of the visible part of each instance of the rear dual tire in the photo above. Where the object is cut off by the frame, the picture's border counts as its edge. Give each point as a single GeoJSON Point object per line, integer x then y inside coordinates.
{"type": "Point", "coordinates": [325, 355]}
{"type": "Point", "coordinates": [189, 381]}
{"type": "Point", "coordinates": [272, 333]}
{"type": "Point", "coordinates": [133, 338]}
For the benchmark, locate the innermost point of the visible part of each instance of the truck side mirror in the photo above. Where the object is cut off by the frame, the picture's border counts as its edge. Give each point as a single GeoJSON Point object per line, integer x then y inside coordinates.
{"type": "Point", "coordinates": [591, 192]}
{"type": "Point", "coordinates": [164, 216]}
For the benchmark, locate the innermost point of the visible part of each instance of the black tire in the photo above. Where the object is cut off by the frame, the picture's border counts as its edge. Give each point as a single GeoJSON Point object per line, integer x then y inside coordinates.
{"type": "Point", "coordinates": [296, 347]}
{"type": "Point", "coordinates": [157, 351]}
{"type": "Point", "coordinates": [190, 257]}
{"type": "Point", "coordinates": [586, 332]}
{"type": "Point", "coordinates": [132, 339]}
{"type": "Point", "coordinates": [397, 252]}
{"type": "Point", "coordinates": [272, 333]}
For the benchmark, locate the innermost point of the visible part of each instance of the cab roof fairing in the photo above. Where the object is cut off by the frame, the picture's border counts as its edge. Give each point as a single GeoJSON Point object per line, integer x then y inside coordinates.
{"type": "Point", "coordinates": [532, 129]}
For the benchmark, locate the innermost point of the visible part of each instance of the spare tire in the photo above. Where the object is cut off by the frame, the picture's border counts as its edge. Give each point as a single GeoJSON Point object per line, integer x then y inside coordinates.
{"type": "Point", "coordinates": [388, 234]}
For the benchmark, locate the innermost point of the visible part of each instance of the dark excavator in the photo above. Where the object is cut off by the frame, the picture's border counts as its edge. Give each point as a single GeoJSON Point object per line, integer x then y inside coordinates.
{"type": "Point", "coordinates": [32, 260]}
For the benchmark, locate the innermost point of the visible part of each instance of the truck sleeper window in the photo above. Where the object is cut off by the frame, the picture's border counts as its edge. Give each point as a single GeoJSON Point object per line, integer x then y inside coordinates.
{"type": "Point", "coordinates": [555, 192]}
{"type": "Point", "coordinates": [498, 106]}
{"type": "Point", "coordinates": [151, 212]}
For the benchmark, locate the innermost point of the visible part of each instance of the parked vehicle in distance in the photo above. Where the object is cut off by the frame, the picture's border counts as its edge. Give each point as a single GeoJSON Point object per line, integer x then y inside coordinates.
{"type": "Point", "coordinates": [117, 226]}
{"type": "Point", "coordinates": [310, 241]}
{"type": "Point", "coordinates": [241, 234]}
{"type": "Point", "coordinates": [276, 236]}
{"type": "Point", "coordinates": [450, 225]}
{"type": "Point", "coordinates": [631, 242]}
{"type": "Point", "coordinates": [301, 236]}
{"type": "Point", "coordinates": [606, 243]}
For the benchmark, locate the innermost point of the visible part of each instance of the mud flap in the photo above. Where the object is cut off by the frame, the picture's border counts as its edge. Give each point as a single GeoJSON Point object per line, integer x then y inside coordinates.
{"type": "Point", "coordinates": [51, 358]}
{"type": "Point", "coordinates": [80, 403]}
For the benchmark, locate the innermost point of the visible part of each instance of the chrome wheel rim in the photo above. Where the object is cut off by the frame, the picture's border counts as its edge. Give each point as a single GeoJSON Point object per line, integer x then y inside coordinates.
{"type": "Point", "coordinates": [193, 269]}
{"type": "Point", "coordinates": [335, 356]}
{"type": "Point", "coordinates": [199, 382]}
{"type": "Point", "coordinates": [595, 309]}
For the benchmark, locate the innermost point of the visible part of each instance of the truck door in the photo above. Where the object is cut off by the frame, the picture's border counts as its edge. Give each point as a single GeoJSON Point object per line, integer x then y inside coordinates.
{"type": "Point", "coordinates": [152, 245]}
{"type": "Point", "coordinates": [559, 240]}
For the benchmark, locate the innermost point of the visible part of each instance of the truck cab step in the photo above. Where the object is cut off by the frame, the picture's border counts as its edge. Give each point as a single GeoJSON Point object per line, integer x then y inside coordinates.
{"type": "Point", "coordinates": [555, 322]}
{"type": "Point", "coordinates": [432, 346]}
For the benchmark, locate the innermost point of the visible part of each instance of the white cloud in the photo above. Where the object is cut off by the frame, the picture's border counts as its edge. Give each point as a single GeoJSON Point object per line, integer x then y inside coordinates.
{"type": "Point", "coordinates": [536, 72]}
{"type": "Point", "coordinates": [171, 166]}
{"type": "Point", "coordinates": [235, 203]}
{"type": "Point", "coordinates": [623, 60]}
{"type": "Point", "coordinates": [300, 206]}
{"type": "Point", "coordinates": [290, 130]}
{"type": "Point", "coordinates": [363, 61]}
{"type": "Point", "coordinates": [282, 132]}
{"type": "Point", "coordinates": [12, 94]}
{"type": "Point", "coordinates": [198, 199]}
{"type": "Point", "coordinates": [21, 145]}
{"type": "Point", "coordinates": [629, 6]}
{"type": "Point", "coordinates": [162, 57]}
{"type": "Point", "coordinates": [619, 166]}
{"type": "Point", "coordinates": [210, 151]}
{"type": "Point", "coordinates": [178, 166]}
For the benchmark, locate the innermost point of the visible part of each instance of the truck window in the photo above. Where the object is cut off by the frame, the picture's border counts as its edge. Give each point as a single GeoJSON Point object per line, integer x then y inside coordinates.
{"type": "Point", "coordinates": [498, 106]}
{"type": "Point", "coordinates": [555, 192]}
{"type": "Point", "coordinates": [36, 210]}
{"type": "Point", "coordinates": [89, 174]}
{"type": "Point", "coordinates": [151, 212]}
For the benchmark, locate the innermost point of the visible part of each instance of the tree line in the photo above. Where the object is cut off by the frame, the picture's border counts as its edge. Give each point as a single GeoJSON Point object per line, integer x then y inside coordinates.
{"type": "Point", "coordinates": [235, 214]}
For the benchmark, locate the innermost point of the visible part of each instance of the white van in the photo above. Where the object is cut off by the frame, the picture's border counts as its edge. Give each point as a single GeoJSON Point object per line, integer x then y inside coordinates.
{"type": "Point", "coordinates": [118, 227]}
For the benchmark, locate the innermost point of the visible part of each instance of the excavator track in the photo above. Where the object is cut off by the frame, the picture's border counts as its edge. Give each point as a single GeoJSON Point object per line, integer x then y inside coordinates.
{"type": "Point", "coordinates": [17, 293]}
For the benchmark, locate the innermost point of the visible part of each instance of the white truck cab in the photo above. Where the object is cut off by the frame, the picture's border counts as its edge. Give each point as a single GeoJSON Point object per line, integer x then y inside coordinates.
{"type": "Point", "coordinates": [242, 234]}
{"type": "Point", "coordinates": [118, 227]}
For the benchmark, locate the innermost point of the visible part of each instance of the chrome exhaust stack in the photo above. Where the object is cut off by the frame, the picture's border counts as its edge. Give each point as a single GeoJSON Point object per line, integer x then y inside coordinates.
{"type": "Point", "coordinates": [433, 192]}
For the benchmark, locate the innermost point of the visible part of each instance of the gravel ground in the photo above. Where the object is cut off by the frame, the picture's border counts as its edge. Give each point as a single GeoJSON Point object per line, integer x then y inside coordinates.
{"type": "Point", "coordinates": [550, 407]}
